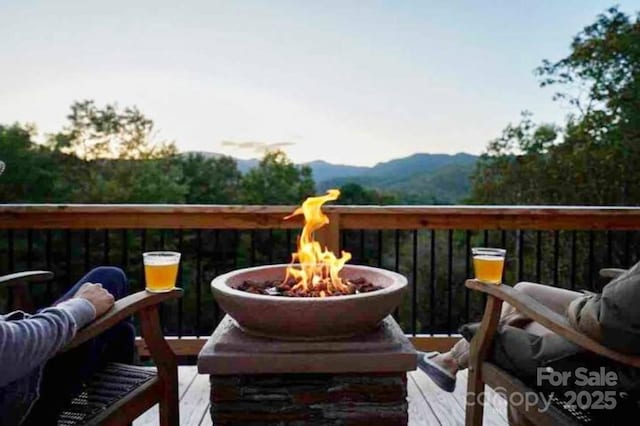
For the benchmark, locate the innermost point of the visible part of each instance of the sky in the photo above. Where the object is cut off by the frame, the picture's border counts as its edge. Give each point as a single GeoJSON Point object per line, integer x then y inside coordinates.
{"type": "Point", "coordinates": [351, 82]}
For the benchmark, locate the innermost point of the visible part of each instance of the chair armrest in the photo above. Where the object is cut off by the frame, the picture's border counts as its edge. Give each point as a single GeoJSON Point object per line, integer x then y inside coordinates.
{"type": "Point", "coordinates": [25, 277]}
{"type": "Point", "coordinates": [122, 309]}
{"type": "Point", "coordinates": [611, 272]}
{"type": "Point", "coordinates": [555, 322]}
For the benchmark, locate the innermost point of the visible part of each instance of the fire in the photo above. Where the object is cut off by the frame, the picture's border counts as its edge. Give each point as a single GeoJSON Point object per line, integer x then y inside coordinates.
{"type": "Point", "coordinates": [318, 271]}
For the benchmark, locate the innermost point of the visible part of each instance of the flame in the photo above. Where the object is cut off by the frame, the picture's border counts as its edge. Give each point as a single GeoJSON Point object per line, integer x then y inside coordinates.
{"type": "Point", "coordinates": [318, 272]}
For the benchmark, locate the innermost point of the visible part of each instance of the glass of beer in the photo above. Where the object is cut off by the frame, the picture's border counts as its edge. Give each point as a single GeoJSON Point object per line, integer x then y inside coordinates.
{"type": "Point", "coordinates": [488, 264]}
{"type": "Point", "coordinates": [160, 270]}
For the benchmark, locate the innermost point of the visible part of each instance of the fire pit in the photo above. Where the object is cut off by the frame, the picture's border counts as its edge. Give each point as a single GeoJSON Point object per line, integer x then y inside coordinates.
{"type": "Point", "coordinates": [308, 318]}
{"type": "Point", "coordinates": [309, 343]}
{"type": "Point", "coordinates": [322, 301]}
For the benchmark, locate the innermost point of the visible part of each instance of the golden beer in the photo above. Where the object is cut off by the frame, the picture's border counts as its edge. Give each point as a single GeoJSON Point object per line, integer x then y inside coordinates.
{"type": "Point", "coordinates": [488, 265]}
{"type": "Point", "coordinates": [161, 270]}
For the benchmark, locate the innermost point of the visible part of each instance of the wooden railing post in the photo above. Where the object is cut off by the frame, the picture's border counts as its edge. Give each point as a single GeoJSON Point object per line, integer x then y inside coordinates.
{"type": "Point", "coordinates": [329, 236]}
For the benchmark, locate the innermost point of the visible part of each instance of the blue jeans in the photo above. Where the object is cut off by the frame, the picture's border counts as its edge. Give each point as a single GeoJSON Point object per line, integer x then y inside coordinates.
{"type": "Point", "coordinates": [65, 374]}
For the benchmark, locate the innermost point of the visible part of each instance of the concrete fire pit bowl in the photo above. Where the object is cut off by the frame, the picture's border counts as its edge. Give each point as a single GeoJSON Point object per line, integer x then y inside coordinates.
{"type": "Point", "coordinates": [308, 318]}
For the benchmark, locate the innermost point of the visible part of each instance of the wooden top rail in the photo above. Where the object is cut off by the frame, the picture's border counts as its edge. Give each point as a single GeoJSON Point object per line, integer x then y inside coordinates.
{"type": "Point", "coordinates": [138, 216]}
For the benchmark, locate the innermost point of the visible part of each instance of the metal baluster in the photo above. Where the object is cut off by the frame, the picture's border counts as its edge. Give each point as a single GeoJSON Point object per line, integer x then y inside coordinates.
{"type": "Point", "coordinates": [48, 261]}
{"type": "Point", "coordinates": [67, 251]}
{"type": "Point", "coordinates": [573, 260]}
{"type": "Point", "coordinates": [125, 250]}
{"type": "Point", "coordinates": [396, 267]}
{"type": "Point", "coordinates": [87, 248]}
{"type": "Point", "coordinates": [362, 257]}
{"type": "Point", "coordinates": [161, 307]}
{"type": "Point", "coordinates": [107, 247]}
{"type": "Point", "coordinates": [29, 248]}
{"type": "Point", "coordinates": [627, 250]}
{"type": "Point", "coordinates": [290, 243]}
{"type": "Point", "coordinates": [11, 261]}
{"type": "Point", "coordinates": [432, 281]}
{"type": "Point", "coordinates": [10, 251]}
{"type": "Point", "coordinates": [236, 242]}
{"type": "Point", "coordinates": [252, 259]}
{"type": "Point", "coordinates": [449, 279]}
{"type": "Point", "coordinates": [143, 247]}
{"type": "Point", "coordinates": [180, 284]}
{"type": "Point", "coordinates": [414, 289]}
{"type": "Point", "coordinates": [520, 252]}
{"type": "Point", "coordinates": [216, 249]}
{"type": "Point", "coordinates": [538, 255]}
{"type": "Point", "coordinates": [397, 250]}
{"type": "Point", "coordinates": [379, 248]}
{"type": "Point", "coordinates": [591, 260]}
{"type": "Point", "coordinates": [198, 279]}
{"type": "Point", "coordinates": [609, 250]}
{"type": "Point", "coordinates": [467, 272]}
{"type": "Point", "coordinates": [556, 255]}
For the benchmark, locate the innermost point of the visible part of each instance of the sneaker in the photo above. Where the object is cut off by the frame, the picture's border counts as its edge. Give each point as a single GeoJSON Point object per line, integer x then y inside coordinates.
{"type": "Point", "coordinates": [439, 375]}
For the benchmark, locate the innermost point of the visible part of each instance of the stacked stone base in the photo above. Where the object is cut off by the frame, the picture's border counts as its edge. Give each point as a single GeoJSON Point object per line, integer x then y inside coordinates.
{"type": "Point", "coordinates": [309, 399]}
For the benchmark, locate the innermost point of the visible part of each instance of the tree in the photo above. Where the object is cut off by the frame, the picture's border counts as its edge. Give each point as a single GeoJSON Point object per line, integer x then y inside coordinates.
{"type": "Point", "coordinates": [121, 162]}
{"type": "Point", "coordinates": [210, 180]}
{"type": "Point", "coordinates": [277, 180]}
{"type": "Point", "coordinates": [593, 158]}
{"type": "Point", "coordinates": [32, 174]}
{"type": "Point", "coordinates": [355, 194]}
{"type": "Point", "coordinates": [109, 132]}
{"type": "Point", "coordinates": [516, 160]}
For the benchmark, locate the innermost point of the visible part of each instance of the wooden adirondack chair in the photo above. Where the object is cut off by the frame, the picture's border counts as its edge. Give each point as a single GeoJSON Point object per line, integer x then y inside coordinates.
{"type": "Point", "coordinates": [119, 393]}
{"type": "Point", "coordinates": [482, 371]}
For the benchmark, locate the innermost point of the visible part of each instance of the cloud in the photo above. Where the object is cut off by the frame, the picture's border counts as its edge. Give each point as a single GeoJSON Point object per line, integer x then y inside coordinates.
{"type": "Point", "coordinates": [257, 147]}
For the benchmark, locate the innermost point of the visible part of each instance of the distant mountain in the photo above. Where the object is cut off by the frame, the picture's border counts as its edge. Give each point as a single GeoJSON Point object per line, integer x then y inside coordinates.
{"type": "Point", "coordinates": [324, 171]}
{"type": "Point", "coordinates": [419, 178]}
{"type": "Point", "coordinates": [321, 169]}
{"type": "Point", "coordinates": [416, 179]}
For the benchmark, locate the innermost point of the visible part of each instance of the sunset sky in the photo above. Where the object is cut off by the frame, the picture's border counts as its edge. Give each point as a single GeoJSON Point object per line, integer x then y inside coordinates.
{"type": "Point", "coordinates": [353, 82]}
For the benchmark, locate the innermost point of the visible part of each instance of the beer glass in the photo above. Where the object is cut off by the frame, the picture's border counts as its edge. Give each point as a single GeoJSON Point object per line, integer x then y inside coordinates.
{"type": "Point", "coordinates": [488, 264]}
{"type": "Point", "coordinates": [160, 270]}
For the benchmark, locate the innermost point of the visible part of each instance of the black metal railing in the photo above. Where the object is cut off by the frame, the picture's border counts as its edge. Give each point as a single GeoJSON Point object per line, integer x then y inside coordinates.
{"type": "Point", "coordinates": [435, 260]}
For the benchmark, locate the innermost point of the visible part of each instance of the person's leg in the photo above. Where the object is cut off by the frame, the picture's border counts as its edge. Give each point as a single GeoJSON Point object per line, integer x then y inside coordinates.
{"type": "Point", "coordinates": [112, 279]}
{"type": "Point", "coordinates": [64, 375]}
{"type": "Point", "coordinates": [555, 298]}
{"type": "Point", "coordinates": [117, 343]}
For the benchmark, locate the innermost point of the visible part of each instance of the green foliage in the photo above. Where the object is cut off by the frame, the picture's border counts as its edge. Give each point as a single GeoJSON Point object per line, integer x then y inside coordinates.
{"type": "Point", "coordinates": [32, 172]}
{"type": "Point", "coordinates": [210, 180]}
{"type": "Point", "coordinates": [601, 76]}
{"type": "Point", "coordinates": [108, 155]}
{"type": "Point", "coordinates": [114, 157]}
{"type": "Point", "coordinates": [109, 132]}
{"type": "Point", "coordinates": [277, 180]}
{"type": "Point", "coordinates": [593, 158]}
{"type": "Point", "coordinates": [354, 194]}
{"type": "Point", "coordinates": [417, 179]}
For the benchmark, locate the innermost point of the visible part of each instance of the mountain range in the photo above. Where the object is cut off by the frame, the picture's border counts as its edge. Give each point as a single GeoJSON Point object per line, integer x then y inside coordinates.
{"type": "Point", "coordinates": [416, 179]}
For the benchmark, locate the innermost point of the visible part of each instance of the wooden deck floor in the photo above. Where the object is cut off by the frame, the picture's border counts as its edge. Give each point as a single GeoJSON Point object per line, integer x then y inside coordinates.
{"type": "Point", "coordinates": [428, 405]}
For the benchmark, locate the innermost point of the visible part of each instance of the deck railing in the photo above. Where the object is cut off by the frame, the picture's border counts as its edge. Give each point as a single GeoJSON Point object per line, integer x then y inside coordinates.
{"type": "Point", "coordinates": [563, 246]}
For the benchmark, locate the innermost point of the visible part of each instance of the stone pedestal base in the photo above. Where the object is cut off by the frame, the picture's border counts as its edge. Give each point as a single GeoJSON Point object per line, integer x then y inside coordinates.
{"type": "Point", "coordinates": [309, 399]}
{"type": "Point", "coordinates": [357, 381]}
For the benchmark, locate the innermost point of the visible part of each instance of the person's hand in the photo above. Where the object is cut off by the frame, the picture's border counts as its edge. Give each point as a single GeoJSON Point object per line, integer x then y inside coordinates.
{"type": "Point", "coordinates": [100, 298]}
